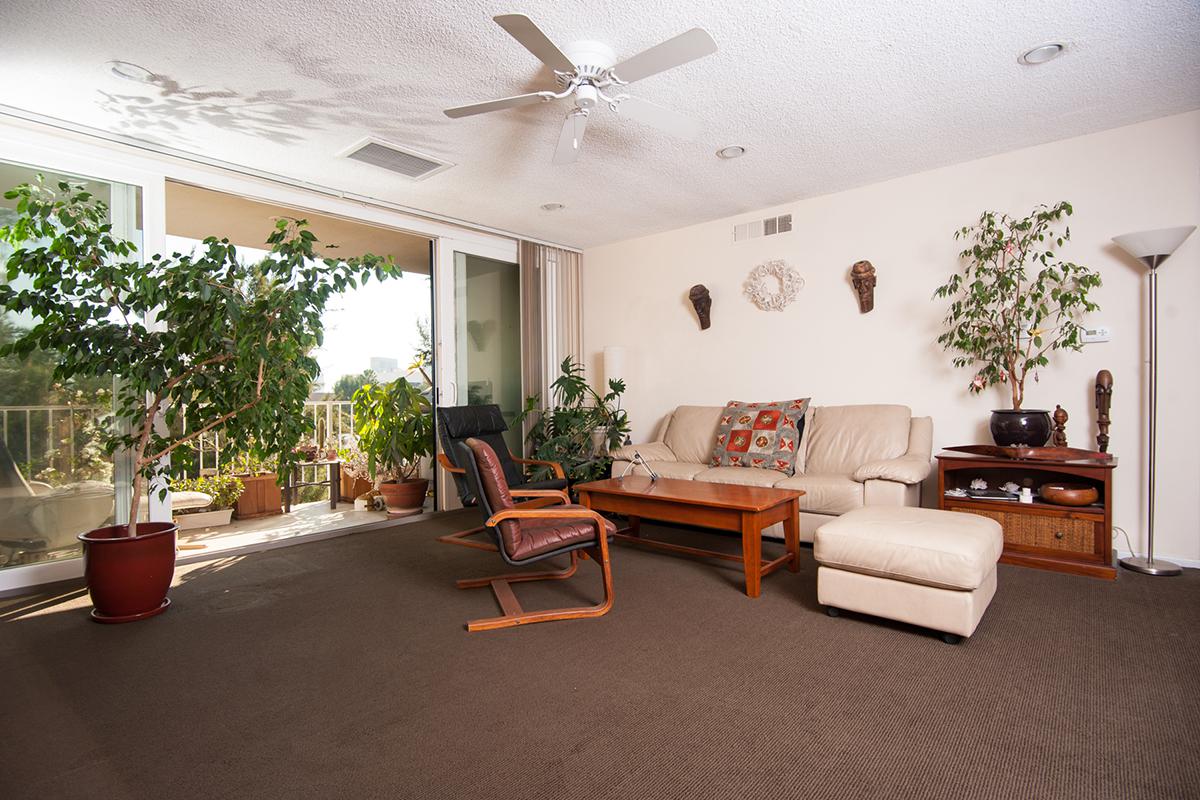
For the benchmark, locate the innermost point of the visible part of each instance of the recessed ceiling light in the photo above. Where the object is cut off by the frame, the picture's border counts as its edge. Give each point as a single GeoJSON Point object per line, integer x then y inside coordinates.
{"type": "Point", "coordinates": [732, 151]}
{"type": "Point", "coordinates": [130, 71]}
{"type": "Point", "coordinates": [552, 206]}
{"type": "Point", "coordinates": [1042, 53]}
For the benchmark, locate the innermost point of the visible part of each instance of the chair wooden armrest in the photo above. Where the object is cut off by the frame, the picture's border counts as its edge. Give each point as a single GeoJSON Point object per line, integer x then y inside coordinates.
{"type": "Point", "coordinates": [558, 494]}
{"type": "Point", "coordinates": [553, 465]}
{"type": "Point", "coordinates": [444, 460]}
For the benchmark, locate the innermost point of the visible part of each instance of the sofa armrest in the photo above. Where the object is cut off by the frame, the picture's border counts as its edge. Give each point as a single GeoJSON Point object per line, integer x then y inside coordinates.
{"type": "Point", "coordinates": [651, 451]}
{"type": "Point", "coordinates": [906, 469]}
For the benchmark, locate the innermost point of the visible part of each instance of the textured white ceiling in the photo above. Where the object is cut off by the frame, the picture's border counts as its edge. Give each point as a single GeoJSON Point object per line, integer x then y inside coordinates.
{"type": "Point", "coordinates": [825, 95]}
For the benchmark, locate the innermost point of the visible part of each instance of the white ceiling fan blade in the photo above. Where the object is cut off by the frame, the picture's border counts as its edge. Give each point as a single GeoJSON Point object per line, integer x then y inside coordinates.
{"type": "Point", "coordinates": [687, 46]}
{"type": "Point", "coordinates": [571, 138]}
{"type": "Point", "coordinates": [664, 119]}
{"type": "Point", "coordinates": [496, 105]}
{"type": "Point", "coordinates": [522, 28]}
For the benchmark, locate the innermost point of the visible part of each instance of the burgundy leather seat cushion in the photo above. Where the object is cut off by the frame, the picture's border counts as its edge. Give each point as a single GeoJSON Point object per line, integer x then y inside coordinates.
{"type": "Point", "coordinates": [536, 536]}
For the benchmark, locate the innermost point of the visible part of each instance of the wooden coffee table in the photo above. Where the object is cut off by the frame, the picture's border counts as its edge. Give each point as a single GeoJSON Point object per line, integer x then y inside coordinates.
{"type": "Point", "coordinates": [724, 506]}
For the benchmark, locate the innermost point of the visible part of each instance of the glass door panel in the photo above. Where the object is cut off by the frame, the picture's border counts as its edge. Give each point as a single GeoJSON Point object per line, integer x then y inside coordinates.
{"type": "Point", "coordinates": [55, 479]}
{"type": "Point", "coordinates": [488, 337]}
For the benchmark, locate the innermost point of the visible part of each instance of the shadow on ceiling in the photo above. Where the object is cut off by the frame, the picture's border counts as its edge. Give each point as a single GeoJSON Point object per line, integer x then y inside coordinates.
{"type": "Point", "coordinates": [167, 109]}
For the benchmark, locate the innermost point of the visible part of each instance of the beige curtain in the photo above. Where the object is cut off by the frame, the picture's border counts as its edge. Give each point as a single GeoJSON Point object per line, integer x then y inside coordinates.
{"type": "Point", "coordinates": [551, 314]}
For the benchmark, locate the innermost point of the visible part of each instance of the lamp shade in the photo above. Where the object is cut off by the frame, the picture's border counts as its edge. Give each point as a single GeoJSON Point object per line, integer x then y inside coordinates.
{"type": "Point", "coordinates": [614, 363]}
{"type": "Point", "coordinates": [1153, 247]}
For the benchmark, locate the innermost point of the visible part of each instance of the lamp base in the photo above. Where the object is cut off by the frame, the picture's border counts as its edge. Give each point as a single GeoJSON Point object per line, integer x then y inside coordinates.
{"type": "Point", "coordinates": [1156, 567]}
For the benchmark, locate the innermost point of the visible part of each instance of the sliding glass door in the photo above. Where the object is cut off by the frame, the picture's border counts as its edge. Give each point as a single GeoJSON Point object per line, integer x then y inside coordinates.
{"type": "Point", "coordinates": [55, 479]}
{"type": "Point", "coordinates": [479, 332]}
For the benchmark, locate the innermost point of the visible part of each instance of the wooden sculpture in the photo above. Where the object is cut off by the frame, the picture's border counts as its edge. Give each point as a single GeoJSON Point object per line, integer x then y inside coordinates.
{"type": "Point", "coordinates": [862, 274]}
{"type": "Point", "coordinates": [1104, 388]}
{"type": "Point", "coordinates": [1059, 437]}
{"type": "Point", "coordinates": [702, 302]}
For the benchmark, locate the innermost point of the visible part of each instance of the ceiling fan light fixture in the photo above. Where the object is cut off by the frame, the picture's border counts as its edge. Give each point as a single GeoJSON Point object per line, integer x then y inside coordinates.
{"type": "Point", "coordinates": [732, 151]}
{"type": "Point", "coordinates": [129, 71]}
{"type": "Point", "coordinates": [1042, 53]}
{"type": "Point", "coordinates": [552, 206]}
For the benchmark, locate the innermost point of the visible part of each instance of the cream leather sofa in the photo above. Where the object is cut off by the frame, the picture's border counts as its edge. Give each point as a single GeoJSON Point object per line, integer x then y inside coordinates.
{"type": "Point", "coordinates": [850, 457]}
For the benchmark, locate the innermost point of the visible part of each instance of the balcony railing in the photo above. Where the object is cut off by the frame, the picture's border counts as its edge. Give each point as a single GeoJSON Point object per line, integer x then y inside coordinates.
{"type": "Point", "coordinates": [52, 436]}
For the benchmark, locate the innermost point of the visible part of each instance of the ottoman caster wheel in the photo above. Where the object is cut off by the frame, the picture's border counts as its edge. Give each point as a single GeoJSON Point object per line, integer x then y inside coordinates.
{"type": "Point", "coordinates": [833, 612]}
{"type": "Point", "coordinates": [951, 638]}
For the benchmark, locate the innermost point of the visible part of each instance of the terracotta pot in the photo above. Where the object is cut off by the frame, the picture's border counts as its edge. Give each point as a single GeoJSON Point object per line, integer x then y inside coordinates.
{"type": "Point", "coordinates": [128, 577]}
{"type": "Point", "coordinates": [1029, 427]}
{"type": "Point", "coordinates": [404, 498]}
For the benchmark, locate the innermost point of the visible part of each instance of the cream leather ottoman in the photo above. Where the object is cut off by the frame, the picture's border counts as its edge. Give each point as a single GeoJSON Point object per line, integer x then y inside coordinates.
{"type": "Point", "coordinates": [917, 565]}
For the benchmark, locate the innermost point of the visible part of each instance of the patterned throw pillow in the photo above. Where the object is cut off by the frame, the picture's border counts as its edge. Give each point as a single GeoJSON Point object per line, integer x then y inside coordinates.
{"type": "Point", "coordinates": [760, 435]}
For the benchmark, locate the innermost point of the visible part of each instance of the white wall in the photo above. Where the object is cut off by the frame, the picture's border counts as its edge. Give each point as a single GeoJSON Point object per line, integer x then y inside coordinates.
{"type": "Point", "coordinates": [1127, 179]}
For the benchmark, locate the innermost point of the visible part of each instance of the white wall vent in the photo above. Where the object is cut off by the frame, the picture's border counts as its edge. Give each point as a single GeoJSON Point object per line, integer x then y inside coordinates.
{"type": "Point", "coordinates": [762, 227]}
{"type": "Point", "coordinates": [395, 158]}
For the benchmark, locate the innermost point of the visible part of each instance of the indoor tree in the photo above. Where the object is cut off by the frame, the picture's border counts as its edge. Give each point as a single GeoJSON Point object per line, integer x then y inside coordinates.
{"type": "Point", "coordinates": [1014, 300]}
{"type": "Point", "coordinates": [229, 342]}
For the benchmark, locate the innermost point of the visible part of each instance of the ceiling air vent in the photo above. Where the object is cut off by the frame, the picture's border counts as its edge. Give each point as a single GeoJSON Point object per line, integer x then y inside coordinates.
{"type": "Point", "coordinates": [762, 227]}
{"type": "Point", "coordinates": [408, 163]}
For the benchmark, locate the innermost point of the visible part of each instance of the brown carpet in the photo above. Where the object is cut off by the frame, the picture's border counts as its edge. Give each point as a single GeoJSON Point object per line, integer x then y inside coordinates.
{"type": "Point", "coordinates": [340, 669]}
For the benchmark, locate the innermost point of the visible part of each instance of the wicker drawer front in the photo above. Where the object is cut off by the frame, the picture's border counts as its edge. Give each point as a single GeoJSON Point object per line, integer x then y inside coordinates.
{"type": "Point", "coordinates": [1033, 530]}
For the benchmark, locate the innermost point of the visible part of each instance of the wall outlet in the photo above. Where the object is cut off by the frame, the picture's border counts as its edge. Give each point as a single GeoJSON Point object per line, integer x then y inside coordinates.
{"type": "Point", "coordinates": [1098, 333]}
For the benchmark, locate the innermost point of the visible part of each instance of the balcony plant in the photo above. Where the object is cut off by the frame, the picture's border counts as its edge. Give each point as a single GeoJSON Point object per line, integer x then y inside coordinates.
{"type": "Point", "coordinates": [579, 426]}
{"type": "Point", "coordinates": [1013, 302]}
{"type": "Point", "coordinates": [225, 491]}
{"type": "Point", "coordinates": [228, 339]}
{"type": "Point", "coordinates": [394, 424]}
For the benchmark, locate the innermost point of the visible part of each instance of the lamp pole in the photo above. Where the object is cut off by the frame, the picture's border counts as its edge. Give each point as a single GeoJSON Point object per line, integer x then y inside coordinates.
{"type": "Point", "coordinates": [1152, 248]}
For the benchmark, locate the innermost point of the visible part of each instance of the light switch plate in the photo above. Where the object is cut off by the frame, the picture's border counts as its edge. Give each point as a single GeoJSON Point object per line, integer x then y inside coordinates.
{"type": "Point", "coordinates": [1096, 333]}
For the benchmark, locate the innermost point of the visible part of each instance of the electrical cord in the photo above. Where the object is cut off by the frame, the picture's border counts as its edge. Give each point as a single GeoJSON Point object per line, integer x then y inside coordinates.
{"type": "Point", "coordinates": [1126, 535]}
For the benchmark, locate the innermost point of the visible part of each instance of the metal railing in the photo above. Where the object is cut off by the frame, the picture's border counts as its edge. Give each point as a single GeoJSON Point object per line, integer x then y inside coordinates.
{"type": "Point", "coordinates": [45, 436]}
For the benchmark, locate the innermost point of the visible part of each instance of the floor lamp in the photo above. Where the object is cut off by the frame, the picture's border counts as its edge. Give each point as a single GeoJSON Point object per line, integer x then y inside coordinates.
{"type": "Point", "coordinates": [1152, 248]}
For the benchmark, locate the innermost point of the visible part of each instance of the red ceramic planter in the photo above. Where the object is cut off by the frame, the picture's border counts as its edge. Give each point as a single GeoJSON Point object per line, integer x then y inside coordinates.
{"type": "Point", "coordinates": [404, 498]}
{"type": "Point", "coordinates": [128, 578]}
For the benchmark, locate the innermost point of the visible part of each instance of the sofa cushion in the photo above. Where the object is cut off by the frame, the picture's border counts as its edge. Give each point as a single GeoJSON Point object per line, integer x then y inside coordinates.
{"type": "Point", "coordinates": [947, 549]}
{"type": "Point", "coordinates": [825, 494]}
{"type": "Point", "coordinates": [651, 451]}
{"type": "Point", "coordinates": [843, 438]}
{"type": "Point", "coordinates": [760, 435]}
{"type": "Point", "coordinates": [692, 431]}
{"type": "Point", "coordinates": [740, 475]}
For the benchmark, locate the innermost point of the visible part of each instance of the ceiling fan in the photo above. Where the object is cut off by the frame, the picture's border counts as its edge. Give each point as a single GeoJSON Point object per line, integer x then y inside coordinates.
{"type": "Point", "coordinates": [585, 70]}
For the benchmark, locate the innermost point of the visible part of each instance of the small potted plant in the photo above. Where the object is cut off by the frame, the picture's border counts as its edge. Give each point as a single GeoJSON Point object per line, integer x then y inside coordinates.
{"type": "Point", "coordinates": [1013, 302]}
{"type": "Point", "coordinates": [224, 490]}
{"type": "Point", "coordinates": [230, 343]}
{"type": "Point", "coordinates": [356, 475]}
{"type": "Point", "coordinates": [394, 423]}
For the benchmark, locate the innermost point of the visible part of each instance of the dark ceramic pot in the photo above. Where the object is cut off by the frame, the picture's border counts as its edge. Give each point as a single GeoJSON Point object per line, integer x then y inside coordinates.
{"type": "Point", "coordinates": [404, 498]}
{"type": "Point", "coordinates": [128, 577]}
{"type": "Point", "coordinates": [1027, 427]}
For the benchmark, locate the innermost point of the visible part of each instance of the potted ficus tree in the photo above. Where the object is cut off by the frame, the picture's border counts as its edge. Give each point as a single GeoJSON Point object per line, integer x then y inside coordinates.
{"type": "Point", "coordinates": [1013, 302]}
{"type": "Point", "coordinates": [394, 423]}
{"type": "Point", "coordinates": [227, 339]}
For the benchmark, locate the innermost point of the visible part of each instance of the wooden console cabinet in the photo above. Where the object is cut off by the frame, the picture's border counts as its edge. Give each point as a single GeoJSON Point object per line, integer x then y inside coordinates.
{"type": "Point", "coordinates": [1075, 539]}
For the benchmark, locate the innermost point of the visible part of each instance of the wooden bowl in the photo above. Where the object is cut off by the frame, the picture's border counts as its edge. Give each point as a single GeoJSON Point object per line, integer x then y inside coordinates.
{"type": "Point", "coordinates": [1069, 494]}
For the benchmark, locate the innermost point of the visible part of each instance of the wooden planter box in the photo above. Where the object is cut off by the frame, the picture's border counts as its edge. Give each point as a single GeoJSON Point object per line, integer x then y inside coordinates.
{"type": "Point", "coordinates": [353, 487]}
{"type": "Point", "coordinates": [262, 497]}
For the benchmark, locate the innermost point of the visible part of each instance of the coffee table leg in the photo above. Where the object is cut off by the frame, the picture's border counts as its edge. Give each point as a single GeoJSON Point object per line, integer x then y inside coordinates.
{"type": "Point", "coordinates": [752, 554]}
{"type": "Point", "coordinates": [791, 535]}
{"type": "Point", "coordinates": [635, 526]}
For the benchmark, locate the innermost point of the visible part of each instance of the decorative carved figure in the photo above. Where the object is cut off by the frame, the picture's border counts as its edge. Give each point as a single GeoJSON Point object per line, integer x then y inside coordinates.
{"type": "Point", "coordinates": [1059, 437]}
{"type": "Point", "coordinates": [862, 273]}
{"type": "Point", "coordinates": [1104, 388]}
{"type": "Point", "coordinates": [702, 301]}
{"type": "Point", "coordinates": [771, 286]}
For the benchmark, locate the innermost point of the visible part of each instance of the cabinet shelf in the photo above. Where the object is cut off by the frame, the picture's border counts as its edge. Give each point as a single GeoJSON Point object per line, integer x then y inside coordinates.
{"type": "Point", "coordinates": [1075, 539]}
